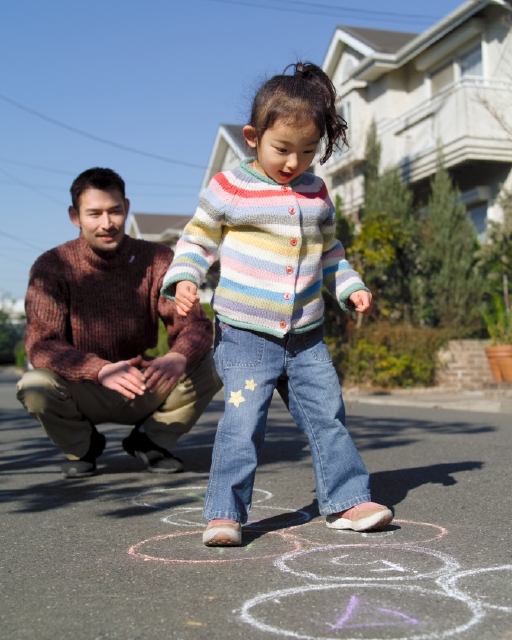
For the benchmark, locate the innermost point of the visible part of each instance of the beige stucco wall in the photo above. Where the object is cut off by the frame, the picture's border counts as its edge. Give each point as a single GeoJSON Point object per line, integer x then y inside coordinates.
{"type": "Point", "coordinates": [412, 123]}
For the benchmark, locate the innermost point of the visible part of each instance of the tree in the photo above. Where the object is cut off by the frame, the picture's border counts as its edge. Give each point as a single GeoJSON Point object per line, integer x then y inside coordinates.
{"type": "Point", "coordinates": [495, 256]}
{"type": "Point", "coordinates": [372, 155]}
{"type": "Point", "coordinates": [345, 227]}
{"type": "Point", "coordinates": [9, 336]}
{"type": "Point", "coordinates": [385, 248]}
{"type": "Point", "coordinates": [452, 287]}
{"type": "Point", "coordinates": [336, 321]}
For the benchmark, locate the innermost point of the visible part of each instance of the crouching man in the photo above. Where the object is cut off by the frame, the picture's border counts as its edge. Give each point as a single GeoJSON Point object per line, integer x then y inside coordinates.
{"type": "Point", "coordinates": [93, 306]}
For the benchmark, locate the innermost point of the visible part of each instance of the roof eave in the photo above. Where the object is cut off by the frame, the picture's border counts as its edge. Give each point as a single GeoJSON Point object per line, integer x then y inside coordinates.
{"type": "Point", "coordinates": [234, 143]}
{"type": "Point", "coordinates": [376, 65]}
{"type": "Point", "coordinates": [442, 28]}
{"type": "Point", "coordinates": [373, 68]}
{"type": "Point", "coordinates": [340, 39]}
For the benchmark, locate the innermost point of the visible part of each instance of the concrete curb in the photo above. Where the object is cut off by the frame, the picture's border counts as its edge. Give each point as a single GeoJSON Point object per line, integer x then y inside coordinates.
{"type": "Point", "coordinates": [485, 401]}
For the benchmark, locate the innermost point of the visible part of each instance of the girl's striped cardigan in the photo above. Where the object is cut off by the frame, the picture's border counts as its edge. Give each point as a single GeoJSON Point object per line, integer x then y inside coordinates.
{"type": "Point", "coordinates": [277, 248]}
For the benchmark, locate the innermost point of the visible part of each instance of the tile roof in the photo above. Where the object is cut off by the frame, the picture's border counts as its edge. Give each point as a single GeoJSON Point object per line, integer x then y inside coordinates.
{"type": "Point", "coordinates": [380, 40]}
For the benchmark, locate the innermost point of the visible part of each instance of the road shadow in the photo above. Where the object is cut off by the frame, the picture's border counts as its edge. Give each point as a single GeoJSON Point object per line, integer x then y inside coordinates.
{"type": "Point", "coordinates": [28, 456]}
{"type": "Point", "coordinates": [391, 487]}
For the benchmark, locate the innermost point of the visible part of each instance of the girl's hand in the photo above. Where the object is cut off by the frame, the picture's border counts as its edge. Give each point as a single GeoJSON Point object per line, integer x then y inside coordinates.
{"type": "Point", "coordinates": [186, 297]}
{"type": "Point", "coordinates": [362, 301]}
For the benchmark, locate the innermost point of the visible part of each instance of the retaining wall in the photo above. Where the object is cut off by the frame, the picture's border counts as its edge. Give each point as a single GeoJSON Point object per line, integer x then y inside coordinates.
{"type": "Point", "coordinates": [464, 365]}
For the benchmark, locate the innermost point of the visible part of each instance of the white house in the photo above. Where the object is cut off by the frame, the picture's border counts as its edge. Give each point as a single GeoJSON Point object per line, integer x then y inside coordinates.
{"type": "Point", "coordinates": [164, 228]}
{"type": "Point", "coordinates": [167, 228]}
{"type": "Point", "coordinates": [228, 150]}
{"type": "Point", "coordinates": [448, 88]}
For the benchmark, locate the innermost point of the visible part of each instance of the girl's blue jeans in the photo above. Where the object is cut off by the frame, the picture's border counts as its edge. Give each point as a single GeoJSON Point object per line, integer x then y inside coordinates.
{"type": "Point", "coordinates": [250, 364]}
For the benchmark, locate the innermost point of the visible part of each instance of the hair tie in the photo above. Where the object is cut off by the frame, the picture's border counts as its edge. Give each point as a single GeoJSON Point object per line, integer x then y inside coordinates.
{"type": "Point", "coordinates": [303, 71]}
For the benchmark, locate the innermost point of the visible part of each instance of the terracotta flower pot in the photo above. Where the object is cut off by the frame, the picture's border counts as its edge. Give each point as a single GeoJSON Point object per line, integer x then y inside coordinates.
{"type": "Point", "coordinates": [505, 365]}
{"type": "Point", "coordinates": [496, 356]}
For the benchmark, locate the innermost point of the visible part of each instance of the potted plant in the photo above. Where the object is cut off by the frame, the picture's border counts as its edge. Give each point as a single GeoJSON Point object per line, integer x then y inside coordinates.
{"type": "Point", "coordinates": [495, 256]}
{"type": "Point", "coordinates": [499, 327]}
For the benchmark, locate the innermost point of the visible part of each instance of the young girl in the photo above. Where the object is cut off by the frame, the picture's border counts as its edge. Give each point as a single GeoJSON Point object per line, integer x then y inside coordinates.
{"type": "Point", "coordinates": [275, 226]}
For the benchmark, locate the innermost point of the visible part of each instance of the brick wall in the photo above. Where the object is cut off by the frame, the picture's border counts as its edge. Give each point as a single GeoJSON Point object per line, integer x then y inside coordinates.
{"type": "Point", "coordinates": [464, 365]}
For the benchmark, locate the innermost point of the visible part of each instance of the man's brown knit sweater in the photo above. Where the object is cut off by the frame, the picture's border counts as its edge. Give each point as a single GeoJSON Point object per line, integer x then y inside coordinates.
{"type": "Point", "coordinates": [86, 309]}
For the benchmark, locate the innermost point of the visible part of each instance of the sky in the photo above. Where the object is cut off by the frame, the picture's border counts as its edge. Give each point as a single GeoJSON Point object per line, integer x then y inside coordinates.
{"type": "Point", "coordinates": [157, 76]}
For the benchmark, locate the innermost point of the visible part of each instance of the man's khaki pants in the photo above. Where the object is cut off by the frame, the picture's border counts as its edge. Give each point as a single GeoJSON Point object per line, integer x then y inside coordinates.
{"type": "Point", "coordinates": [67, 410]}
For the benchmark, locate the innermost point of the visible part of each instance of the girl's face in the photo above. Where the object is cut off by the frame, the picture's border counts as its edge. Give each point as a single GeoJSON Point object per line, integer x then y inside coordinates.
{"type": "Point", "coordinates": [285, 150]}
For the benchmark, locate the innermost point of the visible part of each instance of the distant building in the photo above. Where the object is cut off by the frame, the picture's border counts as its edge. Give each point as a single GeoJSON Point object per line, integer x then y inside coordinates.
{"type": "Point", "coordinates": [164, 228]}
{"type": "Point", "coordinates": [13, 309]}
{"type": "Point", "coordinates": [448, 88]}
{"type": "Point", "coordinates": [229, 149]}
{"type": "Point", "coordinates": [167, 228]}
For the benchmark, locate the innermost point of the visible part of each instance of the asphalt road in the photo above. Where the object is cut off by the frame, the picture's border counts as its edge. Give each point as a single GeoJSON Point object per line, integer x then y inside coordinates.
{"type": "Point", "coordinates": [119, 556]}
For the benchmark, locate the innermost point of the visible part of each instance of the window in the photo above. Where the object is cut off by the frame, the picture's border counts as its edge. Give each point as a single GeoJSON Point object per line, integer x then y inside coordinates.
{"type": "Point", "coordinates": [345, 112]}
{"type": "Point", "coordinates": [466, 65]}
{"type": "Point", "coordinates": [478, 216]}
{"type": "Point", "coordinates": [471, 62]}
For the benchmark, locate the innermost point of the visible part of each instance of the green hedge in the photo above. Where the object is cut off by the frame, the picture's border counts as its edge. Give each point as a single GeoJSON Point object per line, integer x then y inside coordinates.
{"type": "Point", "coordinates": [10, 335]}
{"type": "Point", "coordinates": [162, 348]}
{"type": "Point", "coordinates": [386, 355]}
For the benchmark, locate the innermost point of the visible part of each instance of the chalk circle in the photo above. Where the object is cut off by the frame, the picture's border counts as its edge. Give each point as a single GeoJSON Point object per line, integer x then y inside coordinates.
{"type": "Point", "coordinates": [257, 518]}
{"type": "Point", "coordinates": [355, 611]}
{"type": "Point", "coordinates": [366, 562]}
{"type": "Point", "coordinates": [399, 531]}
{"type": "Point", "coordinates": [164, 497]}
{"type": "Point", "coordinates": [478, 582]}
{"type": "Point", "coordinates": [179, 548]}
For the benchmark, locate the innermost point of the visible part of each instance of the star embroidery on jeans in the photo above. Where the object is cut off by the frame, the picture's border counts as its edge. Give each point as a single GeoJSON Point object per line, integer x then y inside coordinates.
{"type": "Point", "coordinates": [236, 398]}
{"type": "Point", "coordinates": [250, 384]}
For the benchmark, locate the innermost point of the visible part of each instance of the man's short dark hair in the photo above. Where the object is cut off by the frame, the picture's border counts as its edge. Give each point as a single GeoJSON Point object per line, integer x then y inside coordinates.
{"type": "Point", "coordinates": [96, 178]}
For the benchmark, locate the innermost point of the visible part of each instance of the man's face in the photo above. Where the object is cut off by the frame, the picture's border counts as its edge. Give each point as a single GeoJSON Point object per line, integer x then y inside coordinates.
{"type": "Point", "coordinates": [101, 216]}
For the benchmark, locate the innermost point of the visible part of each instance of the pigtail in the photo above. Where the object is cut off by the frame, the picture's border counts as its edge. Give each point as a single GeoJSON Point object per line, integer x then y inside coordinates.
{"type": "Point", "coordinates": [322, 88]}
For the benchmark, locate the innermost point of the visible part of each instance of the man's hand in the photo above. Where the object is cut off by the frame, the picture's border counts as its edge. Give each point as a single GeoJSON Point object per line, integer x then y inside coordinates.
{"type": "Point", "coordinates": [165, 370]}
{"type": "Point", "coordinates": [186, 297]}
{"type": "Point", "coordinates": [362, 301]}
{"type": "Point", "coordinates": [124, 377]}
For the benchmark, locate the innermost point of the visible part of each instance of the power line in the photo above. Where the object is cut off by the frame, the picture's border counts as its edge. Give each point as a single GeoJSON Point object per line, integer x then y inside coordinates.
{"type": "Point", "coordinates": [330, 11]}
{"type": "Point", "coordinates": [21, 241]}
{"type": "Point", "coordinates": [73, 173]}
{"type": "Point", "coordinates": [91, 136]}
{"type": "Point", "coordinates": [190, 190]}
{"type": "Point", "coordinates": [38, 167]}
{"type": "Point", "coordinates": [339, 9]}
{"type": "Point", "coordinates": [11, 259]}
{"type": "Point", "coordinates": [32, 188]}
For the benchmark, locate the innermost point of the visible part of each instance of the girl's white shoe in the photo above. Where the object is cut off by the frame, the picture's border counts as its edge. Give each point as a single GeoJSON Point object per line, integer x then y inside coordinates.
{"type": "Point", "coordinates": [362, 517]}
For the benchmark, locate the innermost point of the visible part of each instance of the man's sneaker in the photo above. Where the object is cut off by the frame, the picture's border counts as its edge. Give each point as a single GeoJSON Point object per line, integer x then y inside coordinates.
{"type": "Point", "coordinates": [86, 466]}
{"type": "Point", "coordinates": [156, 459]}
{"type": "Point", "coordinates": [78, 469]}
{"type": "Point", "coordinates": [223, 534]}
{"type": "Point", "coordinates": [362, 517]}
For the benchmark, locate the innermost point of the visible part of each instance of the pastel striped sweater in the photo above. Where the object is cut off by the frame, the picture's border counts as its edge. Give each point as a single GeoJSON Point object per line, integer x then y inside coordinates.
{"type": "Point", "coordinates": [277, 248]}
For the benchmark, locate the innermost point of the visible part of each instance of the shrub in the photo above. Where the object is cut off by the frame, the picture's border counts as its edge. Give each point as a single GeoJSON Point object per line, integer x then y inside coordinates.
{"type": "Point", "coordinates": [10, 334]}
{"type": "Point", "coordinates": [20, 355]}
{"type": "Point", "coordinates": [388, 355]}
{"type": "Point", "coordinates": [162, 347]}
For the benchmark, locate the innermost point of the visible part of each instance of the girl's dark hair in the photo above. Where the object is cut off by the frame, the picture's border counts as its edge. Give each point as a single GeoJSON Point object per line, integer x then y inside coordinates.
{"type": "Point", "coordinates": [306, 94]}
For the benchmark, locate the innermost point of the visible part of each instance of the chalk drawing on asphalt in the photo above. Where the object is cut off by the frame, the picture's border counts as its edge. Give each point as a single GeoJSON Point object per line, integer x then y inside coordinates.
{"type": "Point", "coordinates": [407, 612]}
{"type": "Point", "coordinates": [359, 587]}
{"type": "Point", "coordinates": [174, 548]}
{"type": "Point", "coordinates": [362, 562]}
